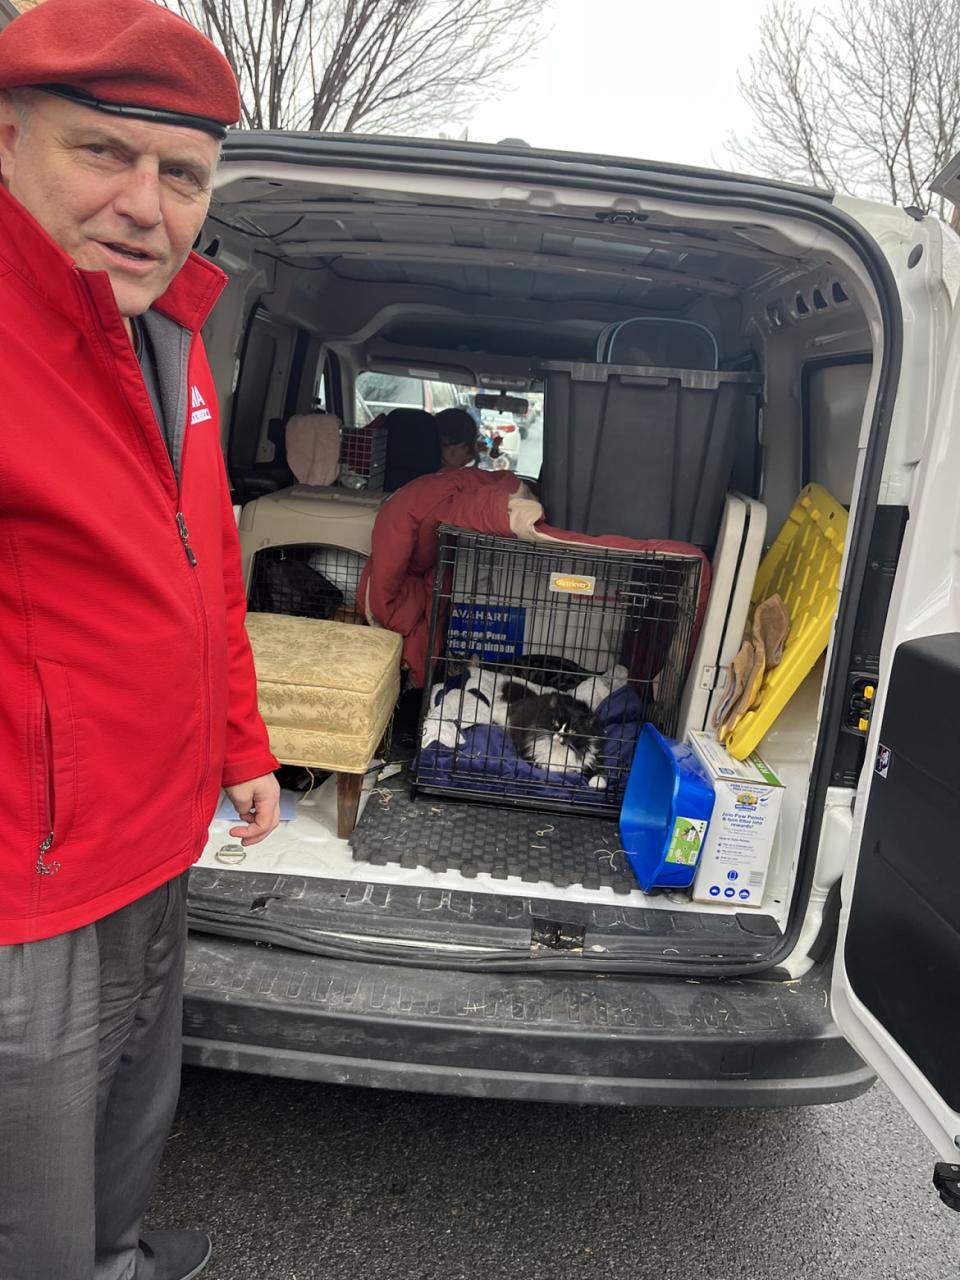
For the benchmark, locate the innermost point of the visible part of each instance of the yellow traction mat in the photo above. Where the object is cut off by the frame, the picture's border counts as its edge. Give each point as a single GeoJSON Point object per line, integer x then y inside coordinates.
{"type": "Point", "coordinates": [803, 567]}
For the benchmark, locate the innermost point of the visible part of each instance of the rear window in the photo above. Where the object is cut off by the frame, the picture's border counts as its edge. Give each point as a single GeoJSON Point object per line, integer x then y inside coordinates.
{"type": "Point", "coordinates": [381, 392]}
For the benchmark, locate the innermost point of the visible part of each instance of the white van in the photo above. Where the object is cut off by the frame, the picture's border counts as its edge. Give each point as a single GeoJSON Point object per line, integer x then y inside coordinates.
{"type": "Point", "coordinates": [477, 266]}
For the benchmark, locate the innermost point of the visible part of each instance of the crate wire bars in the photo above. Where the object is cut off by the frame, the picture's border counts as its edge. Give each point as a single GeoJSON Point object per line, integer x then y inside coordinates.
{"type": "Point", "coordinates": [548, 658]}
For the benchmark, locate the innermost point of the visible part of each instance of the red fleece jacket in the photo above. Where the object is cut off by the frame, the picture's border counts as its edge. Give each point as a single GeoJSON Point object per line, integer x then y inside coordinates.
{"type": "Point", "coordinates": [127, 690]}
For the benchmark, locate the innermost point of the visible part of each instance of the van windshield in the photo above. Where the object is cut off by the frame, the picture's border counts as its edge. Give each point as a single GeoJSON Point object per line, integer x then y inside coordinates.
{"type": "Point", "coordinates": [382, 392]}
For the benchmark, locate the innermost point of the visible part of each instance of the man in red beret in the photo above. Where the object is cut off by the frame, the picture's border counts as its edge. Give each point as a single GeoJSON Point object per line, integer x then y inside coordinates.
{"type": "Point", "coordinates": [127, 690]}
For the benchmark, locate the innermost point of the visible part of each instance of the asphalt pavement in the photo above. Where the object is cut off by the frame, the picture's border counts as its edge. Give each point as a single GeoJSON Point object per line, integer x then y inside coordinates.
{"type": "Point", "coordinates": [299, 1181]}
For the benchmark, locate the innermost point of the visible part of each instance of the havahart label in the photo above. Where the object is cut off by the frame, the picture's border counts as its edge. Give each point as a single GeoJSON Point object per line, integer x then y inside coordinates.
{"type": "Point", "coordinates": [573, 584]}
{"type": "Point", "coordinates": [491, 632]}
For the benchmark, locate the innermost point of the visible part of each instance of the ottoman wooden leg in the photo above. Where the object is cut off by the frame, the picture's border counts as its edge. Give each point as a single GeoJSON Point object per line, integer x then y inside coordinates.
{"type": "Point", "coordinates": [349, 786]}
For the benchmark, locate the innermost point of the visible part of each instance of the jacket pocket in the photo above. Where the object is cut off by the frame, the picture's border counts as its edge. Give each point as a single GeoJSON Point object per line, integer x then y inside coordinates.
{"type": "Point", "coordinates": [59, 751]}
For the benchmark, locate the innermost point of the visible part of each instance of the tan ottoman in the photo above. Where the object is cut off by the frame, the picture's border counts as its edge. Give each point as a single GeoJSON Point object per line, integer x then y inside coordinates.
{"type": "Point", "coordinates": [326, 691]}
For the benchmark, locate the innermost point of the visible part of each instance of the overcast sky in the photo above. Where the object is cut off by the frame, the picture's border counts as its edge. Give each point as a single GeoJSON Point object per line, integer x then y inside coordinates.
{"type": "Point", "coordinates": [633, 78]}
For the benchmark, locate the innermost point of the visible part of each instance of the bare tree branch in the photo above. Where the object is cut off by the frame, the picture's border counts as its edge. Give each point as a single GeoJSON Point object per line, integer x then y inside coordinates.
{"type": "Point", "coordinates": [864, 98]}
{"type": "Point", "coordinates": [367, 65]}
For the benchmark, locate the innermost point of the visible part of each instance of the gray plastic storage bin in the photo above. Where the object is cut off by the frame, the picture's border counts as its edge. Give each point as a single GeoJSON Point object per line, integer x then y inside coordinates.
{"type": "Point", "coordinates": [642, 452]}
{"type": "Point", "coordinates": [653, 340]}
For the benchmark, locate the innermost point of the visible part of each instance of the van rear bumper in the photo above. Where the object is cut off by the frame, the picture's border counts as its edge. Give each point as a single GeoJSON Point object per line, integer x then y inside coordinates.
{"type": "Point", "coordinates": [622, 1040]}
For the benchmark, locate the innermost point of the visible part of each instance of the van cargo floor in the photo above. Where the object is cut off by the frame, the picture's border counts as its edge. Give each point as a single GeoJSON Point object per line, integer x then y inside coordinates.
{"type": "Point", "coordinates": [307, 867]}
{"type": "Point", "coordinates": [474, 839]}
{"type": "Point", "coordinates": [307, 890]}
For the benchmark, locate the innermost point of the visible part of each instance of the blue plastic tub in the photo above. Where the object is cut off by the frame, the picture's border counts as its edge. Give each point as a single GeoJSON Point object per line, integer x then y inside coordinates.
{"type": "Point", "coordinates": [666, 812]}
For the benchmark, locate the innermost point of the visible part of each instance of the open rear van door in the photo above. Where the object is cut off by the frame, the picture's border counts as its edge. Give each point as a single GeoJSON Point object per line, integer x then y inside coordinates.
{"type": "Point", "coordinates": [896, 980]}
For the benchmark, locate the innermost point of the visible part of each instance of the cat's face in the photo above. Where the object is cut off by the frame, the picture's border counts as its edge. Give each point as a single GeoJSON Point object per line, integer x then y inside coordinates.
{"type": "Point", "coordinates": [559, 734]}
{"type": "Point", "coordinates": [556, 717]}
{"type": "Point", "coordinates": [567, 721]}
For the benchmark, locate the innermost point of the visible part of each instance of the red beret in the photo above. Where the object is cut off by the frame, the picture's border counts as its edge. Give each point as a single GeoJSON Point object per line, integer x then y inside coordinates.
{"type": "Point", "coordinates": [126, 57]}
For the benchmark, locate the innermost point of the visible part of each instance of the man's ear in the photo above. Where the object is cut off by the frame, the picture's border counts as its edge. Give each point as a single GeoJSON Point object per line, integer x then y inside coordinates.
{"type": "Point", "coordinates": [11, 130]}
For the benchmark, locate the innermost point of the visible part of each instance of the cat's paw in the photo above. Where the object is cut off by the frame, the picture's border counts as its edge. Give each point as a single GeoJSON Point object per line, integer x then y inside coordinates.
{"type": "Point", "coordinates": [600, 784]}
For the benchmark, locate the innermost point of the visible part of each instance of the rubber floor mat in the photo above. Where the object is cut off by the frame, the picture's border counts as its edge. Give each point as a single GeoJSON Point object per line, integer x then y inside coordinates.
{"type": "Point", "coordinates": [557, 849]}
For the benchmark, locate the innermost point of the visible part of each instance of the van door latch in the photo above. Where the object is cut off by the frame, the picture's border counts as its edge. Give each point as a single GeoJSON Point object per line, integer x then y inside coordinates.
{"type": "Point", "coordinates": [552, 935]}
{"type": "Point", "coordinates": [861, 691]}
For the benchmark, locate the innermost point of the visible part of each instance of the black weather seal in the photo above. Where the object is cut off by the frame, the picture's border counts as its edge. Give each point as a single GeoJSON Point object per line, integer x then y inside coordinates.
{"type": "Point", "coordinates": [556, 953]}
{"type": "Point", "coordinates": [476, 159]}
{"type": "Point", "coordinates": [489, 932]}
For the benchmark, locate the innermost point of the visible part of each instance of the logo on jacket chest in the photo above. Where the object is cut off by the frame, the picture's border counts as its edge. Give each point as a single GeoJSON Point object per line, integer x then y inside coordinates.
{"type": "Point", "coordinates": [200, 412]}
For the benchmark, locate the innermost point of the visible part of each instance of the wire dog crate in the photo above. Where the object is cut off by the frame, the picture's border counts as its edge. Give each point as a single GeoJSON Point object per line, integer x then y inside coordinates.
{"type": "Point", "coordinates": [548, 659]}
{"type": "Point", "coordinates": [363, 450]}
{"type": "Point", "coordinates": [308, 581]}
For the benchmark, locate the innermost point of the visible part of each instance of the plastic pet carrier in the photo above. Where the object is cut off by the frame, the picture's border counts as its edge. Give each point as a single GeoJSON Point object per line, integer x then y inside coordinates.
{"type": "Point", "coordinates": [641, 451]}
{"type": "Point", "coordinates": [549, 658]}
{"type": "Point", "coordinates": [307, 581]}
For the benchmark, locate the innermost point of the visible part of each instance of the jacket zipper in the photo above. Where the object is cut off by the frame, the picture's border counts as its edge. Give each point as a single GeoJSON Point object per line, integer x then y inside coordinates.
{"type": "Point", "coordinates": [184, 532]}
{"type": "Point", "coordinates": [42, 867]}
{"type": "Point", "coordinates": [201, 614]}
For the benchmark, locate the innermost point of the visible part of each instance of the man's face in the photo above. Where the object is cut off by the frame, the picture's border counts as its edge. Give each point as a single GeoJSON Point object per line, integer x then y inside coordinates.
{"type": "Point", "coordinates": [123, 196]}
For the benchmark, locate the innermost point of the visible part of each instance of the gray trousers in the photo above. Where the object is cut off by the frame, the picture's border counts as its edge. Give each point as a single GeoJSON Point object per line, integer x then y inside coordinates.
{"type": "Point", "coordinates": [90, 1026]}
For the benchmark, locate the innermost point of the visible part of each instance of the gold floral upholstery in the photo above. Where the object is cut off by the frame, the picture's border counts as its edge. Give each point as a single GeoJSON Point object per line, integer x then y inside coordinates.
{"type": "Point", "coordinates": [326, 690]}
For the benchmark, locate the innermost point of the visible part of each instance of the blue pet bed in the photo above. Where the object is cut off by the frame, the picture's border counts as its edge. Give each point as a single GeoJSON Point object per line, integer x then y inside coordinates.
{"type": "Point", "coordinates": [488, 758]}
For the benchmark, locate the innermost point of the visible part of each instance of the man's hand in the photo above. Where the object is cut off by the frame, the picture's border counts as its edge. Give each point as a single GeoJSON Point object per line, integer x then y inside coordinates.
{"type": "Point", "coordinates": [258, 804]}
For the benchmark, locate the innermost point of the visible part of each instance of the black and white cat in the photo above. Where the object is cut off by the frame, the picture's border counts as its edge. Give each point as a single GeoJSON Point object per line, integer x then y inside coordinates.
{"type": "Point", "coordinates": [556, 732]}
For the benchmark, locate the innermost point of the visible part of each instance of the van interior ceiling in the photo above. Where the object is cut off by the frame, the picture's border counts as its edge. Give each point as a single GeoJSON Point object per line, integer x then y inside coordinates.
{"type": "Point", "coordinates": [469, 282]}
